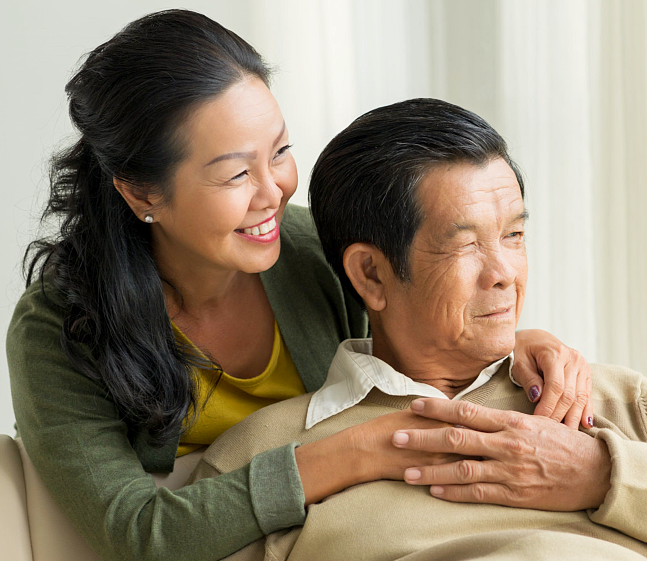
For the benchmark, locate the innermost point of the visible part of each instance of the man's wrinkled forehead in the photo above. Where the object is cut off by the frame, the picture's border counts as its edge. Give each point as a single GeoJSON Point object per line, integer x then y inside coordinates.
{"type": "Point", "coordinates": [459, 197]}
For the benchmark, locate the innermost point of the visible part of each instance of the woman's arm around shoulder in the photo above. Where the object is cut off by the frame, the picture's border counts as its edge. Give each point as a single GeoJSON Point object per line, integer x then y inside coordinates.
{"type": "Point", "coordinates": [81, 448]}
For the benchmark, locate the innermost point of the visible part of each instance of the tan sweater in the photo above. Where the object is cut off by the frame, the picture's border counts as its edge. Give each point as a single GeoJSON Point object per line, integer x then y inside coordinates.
{"type": "Point", "coordinates": [388, 520]}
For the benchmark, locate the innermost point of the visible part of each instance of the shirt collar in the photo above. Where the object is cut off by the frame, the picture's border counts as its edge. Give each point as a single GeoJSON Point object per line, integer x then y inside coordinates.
{"type": "Point", "coordinates": [354, 372]}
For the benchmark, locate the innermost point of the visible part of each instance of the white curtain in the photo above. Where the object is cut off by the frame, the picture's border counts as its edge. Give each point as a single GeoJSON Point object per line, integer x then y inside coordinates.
{"type": "Point", "coordinates": [564, 82]}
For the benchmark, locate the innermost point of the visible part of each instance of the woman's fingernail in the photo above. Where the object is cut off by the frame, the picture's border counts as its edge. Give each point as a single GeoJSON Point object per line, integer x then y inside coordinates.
{"type": "Point", "coordinates": [534, 393]}
{"type": "Point", "coordinates": [400, 438]}
{"type": "Point", "coordinates": [590, 420]}
{"type": "Point", "coordinates": [436, 491]}
{"type": "Point", "coordinates": [418, 405]}
{"type": "Point", "coordinates": [412, 475]}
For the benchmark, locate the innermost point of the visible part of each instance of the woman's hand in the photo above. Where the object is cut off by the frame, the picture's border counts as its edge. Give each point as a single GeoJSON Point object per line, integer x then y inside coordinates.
{"type": "Point", "coordinates": [556, 376]}
{"type": "Point", "coordinates": [364, 453]}
{"type": "Point", "coordinates": [526, 461]}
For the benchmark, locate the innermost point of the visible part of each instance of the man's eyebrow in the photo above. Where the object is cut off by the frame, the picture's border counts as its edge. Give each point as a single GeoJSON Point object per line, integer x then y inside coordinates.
{"type": "Point", "coordinates": [246, 155]}
{"type": "Point", "coordinates": [521, 217]}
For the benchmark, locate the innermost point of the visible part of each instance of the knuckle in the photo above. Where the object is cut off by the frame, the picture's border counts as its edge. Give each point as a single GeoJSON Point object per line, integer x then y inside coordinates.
{"type": "Point", "coordinates": [465, 471]}
{"type": "Point", "coordinates": [568, 396]}
{"type": "Point", "coordinates": [582, 364]}
{"type": "Point", "coordinates": [478, 490]}
{"type": "Point", "coordinates": [467, 411]}
{"type": "Point", "coordinates": [576, 355]}
{"type": "Point", "coordinates": [517, 422]}
{"type": "Point", "coordinates": [455, 438]}
{"type": "Point", "coordinates": [524, 493]}
{"type": "Point", "coordinates": [517, 446]}
{"type": "Point", "coordinates": [581, 399]}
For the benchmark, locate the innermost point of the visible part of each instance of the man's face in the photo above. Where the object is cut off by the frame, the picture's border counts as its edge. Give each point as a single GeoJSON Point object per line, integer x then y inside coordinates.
{"type": "Point", "coordinates": [468, 268]}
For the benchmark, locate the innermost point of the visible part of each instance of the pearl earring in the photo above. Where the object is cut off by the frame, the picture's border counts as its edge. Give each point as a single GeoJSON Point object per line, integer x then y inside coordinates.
{"type": "Point", "coordinates": [148, 219]}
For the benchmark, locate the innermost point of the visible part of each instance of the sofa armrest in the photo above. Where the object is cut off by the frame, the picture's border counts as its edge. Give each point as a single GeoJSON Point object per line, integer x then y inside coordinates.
{"type": "Point", "coordinates": [15, 540]}
{"type": "Point", "coordinates": [53, 536]}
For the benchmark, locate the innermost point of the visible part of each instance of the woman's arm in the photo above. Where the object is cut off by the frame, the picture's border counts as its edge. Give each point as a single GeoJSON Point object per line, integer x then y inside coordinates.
{"type": "Point", "coordinates": [80, 447]}
{"type": "Point", "coordinates": [363, 453]}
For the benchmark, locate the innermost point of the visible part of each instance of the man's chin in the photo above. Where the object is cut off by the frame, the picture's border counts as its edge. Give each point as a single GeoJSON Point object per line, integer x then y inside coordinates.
{"type": "Point", "coordinates": [495, 346]}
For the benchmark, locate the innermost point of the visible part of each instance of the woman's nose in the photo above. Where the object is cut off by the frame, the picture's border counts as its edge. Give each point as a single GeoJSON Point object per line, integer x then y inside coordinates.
{"type": "Point", "coordinates": [268, 193]}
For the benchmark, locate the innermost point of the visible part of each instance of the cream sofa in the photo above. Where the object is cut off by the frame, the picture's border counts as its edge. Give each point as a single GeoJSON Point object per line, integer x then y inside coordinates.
{"type": "Point", "coordinates": [32, 527]}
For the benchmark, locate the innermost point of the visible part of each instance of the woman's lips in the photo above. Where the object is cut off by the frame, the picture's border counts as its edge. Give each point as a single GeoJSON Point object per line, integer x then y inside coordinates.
{"type": "Point", "coordinates": [265, 232]}
{"type": "Point", "coordinates": [260, 229]}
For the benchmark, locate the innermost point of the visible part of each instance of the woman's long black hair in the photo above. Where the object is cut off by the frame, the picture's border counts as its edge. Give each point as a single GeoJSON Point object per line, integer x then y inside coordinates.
{"type": "Point", "coordinates": [128, 101]}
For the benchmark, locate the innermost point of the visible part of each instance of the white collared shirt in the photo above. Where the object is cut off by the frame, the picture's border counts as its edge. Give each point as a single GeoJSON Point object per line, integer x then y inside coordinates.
{"type": "Point", "coordinates": [354, 372]}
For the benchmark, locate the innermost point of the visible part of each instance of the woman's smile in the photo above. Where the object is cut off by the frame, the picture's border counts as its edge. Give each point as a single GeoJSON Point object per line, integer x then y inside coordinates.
{"type": "Point", "coordinates": [265, 232]}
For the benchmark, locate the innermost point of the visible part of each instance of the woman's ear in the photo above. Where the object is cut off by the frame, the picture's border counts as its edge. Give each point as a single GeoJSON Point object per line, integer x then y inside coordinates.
{"type": "Point", "coordinates": [365, 267]}
{"type": "Point", "coordinates": [141, 205]}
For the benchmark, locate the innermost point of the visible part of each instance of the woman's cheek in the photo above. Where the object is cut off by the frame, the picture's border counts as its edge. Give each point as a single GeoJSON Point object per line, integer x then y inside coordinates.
{"type": "Point", "coordinates": [290, 181]}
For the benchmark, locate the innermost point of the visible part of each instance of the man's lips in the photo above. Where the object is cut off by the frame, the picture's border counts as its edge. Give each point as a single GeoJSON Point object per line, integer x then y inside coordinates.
{"type": "Point", "coordinates": [498, 312]}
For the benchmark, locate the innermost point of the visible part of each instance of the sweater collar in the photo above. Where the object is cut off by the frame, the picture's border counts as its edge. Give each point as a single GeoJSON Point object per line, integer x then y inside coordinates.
{"type": "Point", "coordinates": [354, 372]}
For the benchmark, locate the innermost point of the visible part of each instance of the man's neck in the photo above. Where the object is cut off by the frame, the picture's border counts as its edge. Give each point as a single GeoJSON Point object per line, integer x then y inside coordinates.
{"type": "Point", "coordinates": [450, 372]}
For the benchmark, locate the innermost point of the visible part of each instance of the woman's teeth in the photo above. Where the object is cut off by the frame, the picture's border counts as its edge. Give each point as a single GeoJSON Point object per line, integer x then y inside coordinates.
{"type": "Point", "coordinates": [262, 229]}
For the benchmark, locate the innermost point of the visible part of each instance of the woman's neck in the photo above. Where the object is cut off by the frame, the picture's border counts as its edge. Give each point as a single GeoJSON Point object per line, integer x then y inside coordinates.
{"type": "Point", "coordinates": [196, 293]}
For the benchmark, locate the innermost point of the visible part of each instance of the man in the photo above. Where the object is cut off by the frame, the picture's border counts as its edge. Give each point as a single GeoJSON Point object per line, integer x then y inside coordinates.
{"type": "Point", "coordinates": [420, 210]}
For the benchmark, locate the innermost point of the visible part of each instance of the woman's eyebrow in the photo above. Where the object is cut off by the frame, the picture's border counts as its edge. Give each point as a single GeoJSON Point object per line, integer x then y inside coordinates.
{"type": "Point", "coordinates": [233, 156]}
{"type": "Point", "coordinates": [278, 138]}
{"type": "Point", "coordinates": [246, 155]}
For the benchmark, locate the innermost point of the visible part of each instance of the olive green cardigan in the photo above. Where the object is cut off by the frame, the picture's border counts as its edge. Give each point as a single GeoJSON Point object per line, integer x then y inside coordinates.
{"type": "Point", "coordinates": [96, 466]}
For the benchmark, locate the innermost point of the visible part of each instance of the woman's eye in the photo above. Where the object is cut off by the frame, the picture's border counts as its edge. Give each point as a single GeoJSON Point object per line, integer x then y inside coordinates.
{"type": "Point", "coordinates": [239, 176]}
{"type": "Point", "coordinates": [516, 235]}
{"type": "Point", "coordinates": [282, 151]}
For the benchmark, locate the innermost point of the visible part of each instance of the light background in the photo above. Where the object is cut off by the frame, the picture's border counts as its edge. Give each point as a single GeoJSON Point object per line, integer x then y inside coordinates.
{"type": "Point", "coordinates": [564, 82]}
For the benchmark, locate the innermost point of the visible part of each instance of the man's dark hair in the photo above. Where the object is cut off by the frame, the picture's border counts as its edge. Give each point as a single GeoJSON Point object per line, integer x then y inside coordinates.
{"type": "Point", "coordinates": [363, 186]}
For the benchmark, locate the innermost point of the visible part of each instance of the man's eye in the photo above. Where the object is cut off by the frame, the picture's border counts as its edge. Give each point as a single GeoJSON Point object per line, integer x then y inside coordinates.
{"type": "Point", "coordinates": [282, 150]}
{"type": "Point", "coordinates": [515, 235]}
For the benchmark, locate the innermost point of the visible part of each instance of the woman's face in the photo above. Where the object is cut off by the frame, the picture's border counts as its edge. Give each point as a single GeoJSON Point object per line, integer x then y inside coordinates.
{"type": "Point", "coordinates": [229, 193]}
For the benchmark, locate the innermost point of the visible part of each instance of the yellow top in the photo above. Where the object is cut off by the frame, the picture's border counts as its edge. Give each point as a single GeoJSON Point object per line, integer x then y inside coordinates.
{"type": "Point", "coordinates": [233, 399]}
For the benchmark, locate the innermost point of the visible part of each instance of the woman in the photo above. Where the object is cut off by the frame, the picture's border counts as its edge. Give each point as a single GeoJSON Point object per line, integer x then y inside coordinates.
{"type": "Point", "coordinates": [164, 315]}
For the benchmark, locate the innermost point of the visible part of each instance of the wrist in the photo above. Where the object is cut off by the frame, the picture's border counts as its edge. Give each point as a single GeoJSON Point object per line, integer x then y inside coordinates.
{"type": "Point", "coordinates": [331, 465]}
{"type": "Point", "coordinates": [601, 470]}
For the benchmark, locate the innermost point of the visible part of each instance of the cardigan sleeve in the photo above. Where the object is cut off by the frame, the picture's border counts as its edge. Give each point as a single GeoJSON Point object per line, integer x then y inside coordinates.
{"type": "Point", "coordinates": [79, 445]}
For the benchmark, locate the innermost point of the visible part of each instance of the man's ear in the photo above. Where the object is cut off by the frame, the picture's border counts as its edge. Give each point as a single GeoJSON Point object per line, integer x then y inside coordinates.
{"type": "Point", "coordinates": [142, 205]}
{"type": "Point", "coordinates": [365, 267]}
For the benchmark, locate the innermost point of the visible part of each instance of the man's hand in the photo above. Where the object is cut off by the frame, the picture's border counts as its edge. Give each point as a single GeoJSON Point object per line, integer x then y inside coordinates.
{"type": "Point", "coordinates": [363, 453]}
{"type": "Point", "coordinates": [556, 376]}
{"type": "Point", "coordinates": [525, 461]}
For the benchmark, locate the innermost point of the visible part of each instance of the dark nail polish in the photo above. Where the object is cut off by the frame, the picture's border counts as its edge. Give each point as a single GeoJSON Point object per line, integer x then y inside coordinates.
{"type": "Point", "coordinates": [534, 393]}
{"type": "Point", "coordinates": [590, 420]}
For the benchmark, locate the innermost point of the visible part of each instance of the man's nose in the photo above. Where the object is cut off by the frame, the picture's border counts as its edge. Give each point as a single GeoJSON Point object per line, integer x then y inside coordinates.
{"type": "Point", "coordinates": [500, 268]}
